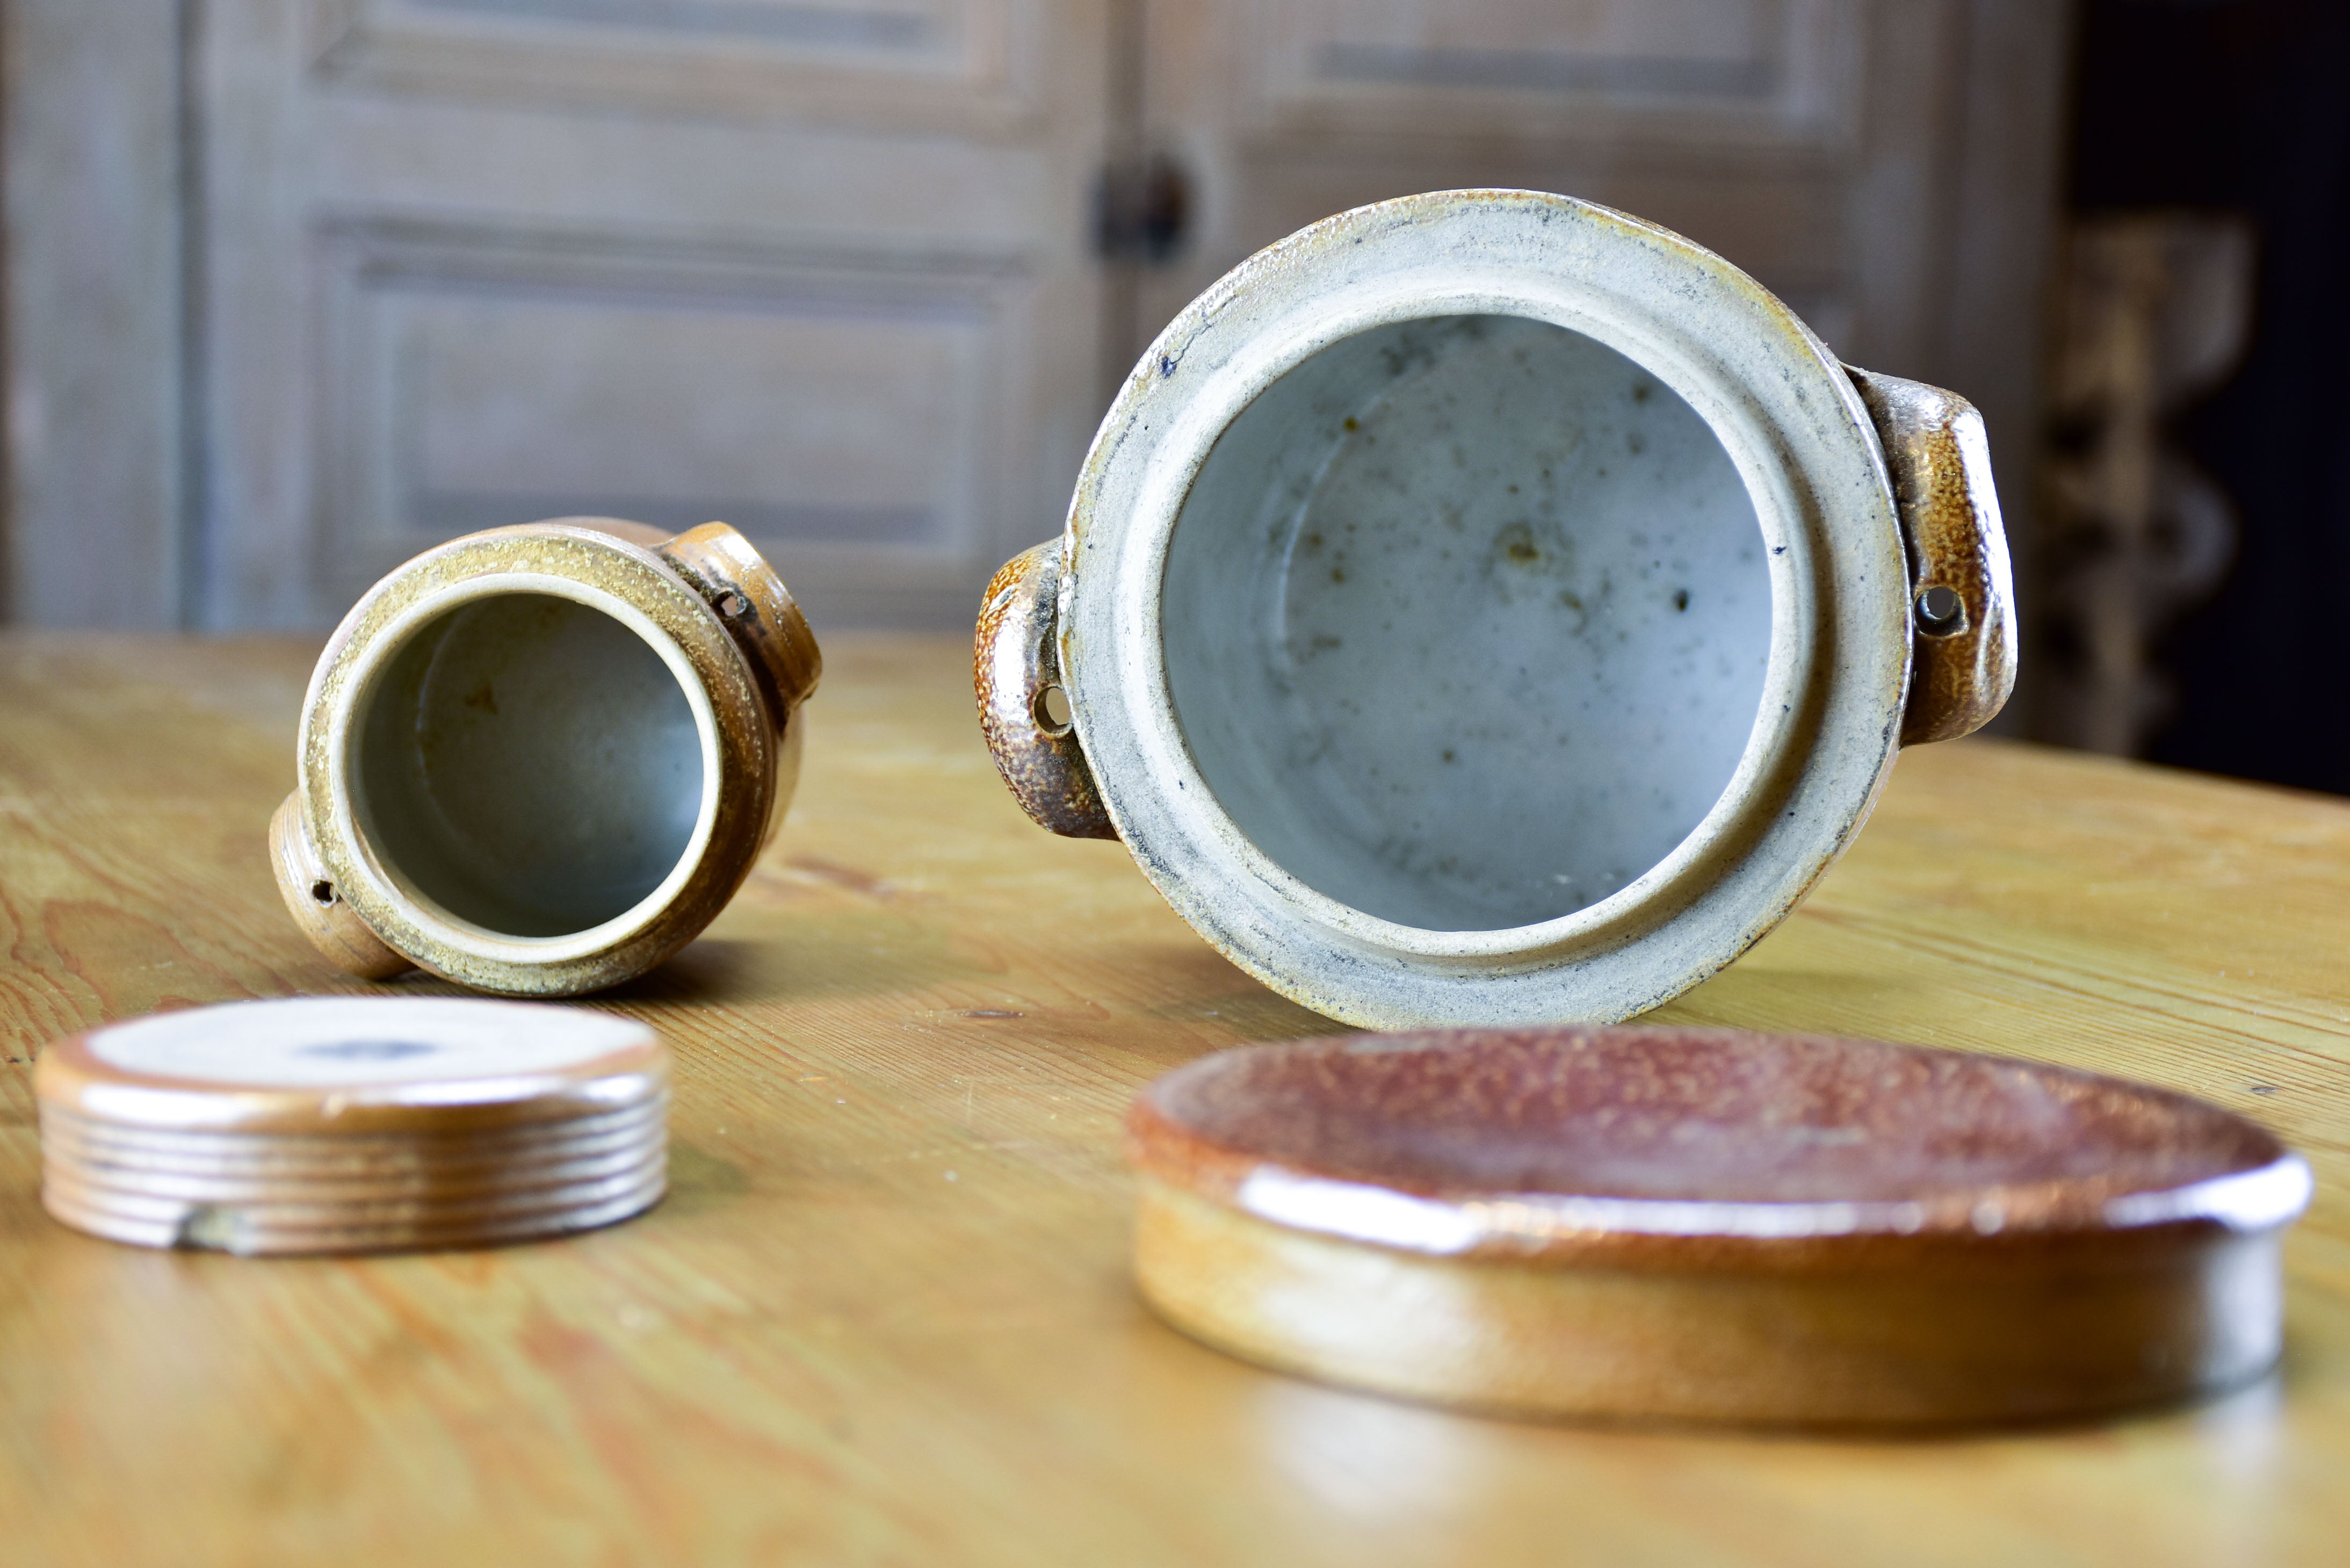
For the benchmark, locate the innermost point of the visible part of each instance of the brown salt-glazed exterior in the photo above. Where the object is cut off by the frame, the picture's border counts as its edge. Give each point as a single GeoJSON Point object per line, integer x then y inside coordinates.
{"type": "Point", "coordinates": [762, 613]}
{"type": "Point", "coordinates": [1709, 1224]}
{"type": "Point", "coordinates": [1959, 675]}
{"type": "Point", "coordinates": [750, 649]}
{"type": "Point", "coordinates": [1015, 659]}
{"type": "Point", "coordinates": [1465, 1117]}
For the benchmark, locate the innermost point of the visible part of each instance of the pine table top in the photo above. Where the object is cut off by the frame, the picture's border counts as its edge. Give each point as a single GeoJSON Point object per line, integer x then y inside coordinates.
{"type": "Point", "coordinates": [885, 1316]}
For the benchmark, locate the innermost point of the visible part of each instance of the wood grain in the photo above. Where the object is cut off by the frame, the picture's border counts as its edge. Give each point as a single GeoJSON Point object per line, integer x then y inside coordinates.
{"type": "Point", "coordinates": [885, 1316]}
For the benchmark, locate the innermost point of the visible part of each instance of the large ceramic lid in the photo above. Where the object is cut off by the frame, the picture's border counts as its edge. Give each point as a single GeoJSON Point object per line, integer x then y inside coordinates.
{"type": "Point", "coordinates": [1567, 1142]}
{"type": "Point", "coordinates": [1711, 1223]}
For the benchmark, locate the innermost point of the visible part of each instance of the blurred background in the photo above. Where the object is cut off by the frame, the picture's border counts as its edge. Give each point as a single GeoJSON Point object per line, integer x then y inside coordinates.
{"type": "Point", "coordinates": [297, 288]}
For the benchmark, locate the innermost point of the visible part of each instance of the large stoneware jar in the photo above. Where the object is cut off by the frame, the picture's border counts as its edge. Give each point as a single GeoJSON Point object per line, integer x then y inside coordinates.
{"type": "Point", "coordinates": [1487, 608]}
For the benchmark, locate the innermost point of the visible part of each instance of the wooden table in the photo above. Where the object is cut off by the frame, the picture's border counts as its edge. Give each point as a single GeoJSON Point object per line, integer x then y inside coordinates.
{"type": "Point", "coordinates": [885, 1318]}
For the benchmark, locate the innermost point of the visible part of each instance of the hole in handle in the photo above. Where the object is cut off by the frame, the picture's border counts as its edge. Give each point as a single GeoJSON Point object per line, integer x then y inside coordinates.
{"type": "Point", "coordinates": [1052, 711]}
{"type": "Point", "coordinates": [1940, 611]}
{"type": "Point", "coordinates": [322, 892]}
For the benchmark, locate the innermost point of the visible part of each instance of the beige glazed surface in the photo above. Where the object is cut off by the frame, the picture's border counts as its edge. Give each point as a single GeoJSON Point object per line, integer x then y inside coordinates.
{"type": "Point", "coordinates": [538, 760]}
{"type": "Point", "coordinates": [1485, 608]}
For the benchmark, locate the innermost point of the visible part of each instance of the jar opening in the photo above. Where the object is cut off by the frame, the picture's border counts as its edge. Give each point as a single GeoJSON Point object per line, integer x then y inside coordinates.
{"type": "Point", "coordinates": [1467, 620]}
{"type": "Point", "coordinates": [527, 764]}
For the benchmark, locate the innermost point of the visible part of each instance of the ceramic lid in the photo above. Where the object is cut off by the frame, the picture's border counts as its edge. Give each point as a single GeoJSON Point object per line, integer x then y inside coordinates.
{"type": "Point", "coordinates": [354, 1065]}
{"type": "Point", "coordinates": [1674, 1145]}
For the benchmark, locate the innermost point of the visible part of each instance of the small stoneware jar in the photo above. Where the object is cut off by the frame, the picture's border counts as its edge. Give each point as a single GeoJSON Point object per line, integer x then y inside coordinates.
{"type": "Point", "coordinates": [538, 760]}
{"type": "Point", "coordinates": [1485, 608]}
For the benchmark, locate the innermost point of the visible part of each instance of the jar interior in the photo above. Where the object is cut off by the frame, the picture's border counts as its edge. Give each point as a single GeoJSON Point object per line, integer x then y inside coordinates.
{"type": "Point", "coordinates": [1466, 621]}
{"type": "Point", "coordinates": [528, 765]}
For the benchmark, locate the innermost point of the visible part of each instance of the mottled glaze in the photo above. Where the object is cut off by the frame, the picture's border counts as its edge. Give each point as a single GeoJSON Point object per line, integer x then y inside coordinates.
{"type": "Point", "coordinates": [1484, 607]}
{"type": "Point", "coordinates": [1709, 1224]}
{"type": "Point", "coordinates": [539, 760]}
{"type": "Point", "coordinates": [1575, 1144]}
{"type": "Point", "coordinates": [1939, 459]}
{"type": "Point", "coordinates": [1012, 671]}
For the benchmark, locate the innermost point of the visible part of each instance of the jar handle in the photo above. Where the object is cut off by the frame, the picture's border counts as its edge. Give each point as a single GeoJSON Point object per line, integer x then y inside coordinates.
{"type": "Point", "coordinates": [1962, 632]}
{"type": "Point", "coordinates": [333, 927]}
{"type": "Point", "coordinates": [1015, 670]}
{"type": "Point", "coordinates": [728, 572]}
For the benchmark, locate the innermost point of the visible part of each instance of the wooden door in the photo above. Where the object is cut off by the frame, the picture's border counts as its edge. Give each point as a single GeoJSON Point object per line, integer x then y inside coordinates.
{"type": "Point", "coordinates": [1885, 166]}
{"type": "Point", "coordinates": [818, 270]}
{"type": "Point", "coordinates": [299, 288]}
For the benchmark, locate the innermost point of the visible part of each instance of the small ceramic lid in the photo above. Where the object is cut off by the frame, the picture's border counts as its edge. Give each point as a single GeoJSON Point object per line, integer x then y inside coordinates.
{"type": "Point", "coordinates": [351, 1066]}
{"type": "Point", "coordinates": [1690, 1146]}
{"type": "Point", "coordinates": [353, 1124]}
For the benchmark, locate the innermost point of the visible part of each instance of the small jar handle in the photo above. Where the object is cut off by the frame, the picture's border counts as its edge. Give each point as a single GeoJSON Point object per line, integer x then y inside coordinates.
{"type": "Point", "coordinates": [334, 928]}
{"type": "Point", "coordinates": [728, 572]}
{"type": "Point", "coordinates": [736, 581]}
{"type": "Point", "coordinates": [1015, 671]}
{"type": "Point", "coordinates": [1963, 631]}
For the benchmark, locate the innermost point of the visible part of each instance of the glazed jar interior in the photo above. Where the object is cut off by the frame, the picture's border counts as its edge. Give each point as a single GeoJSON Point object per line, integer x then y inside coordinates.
{"type": "Point", "coordinates": [528, 765]}
{"type": "Point", "coordinates": [1466, 621]}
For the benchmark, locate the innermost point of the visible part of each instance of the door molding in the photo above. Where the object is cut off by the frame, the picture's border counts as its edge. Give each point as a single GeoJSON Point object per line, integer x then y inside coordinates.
{"type": "Point", "coordinates": [965, 66]}
{"type": "Point", "coordinates": [396, 297]}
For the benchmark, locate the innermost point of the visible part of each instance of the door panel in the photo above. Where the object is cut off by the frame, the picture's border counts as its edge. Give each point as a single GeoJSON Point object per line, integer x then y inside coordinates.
{"type": "Point", "coordinates": [1692, 72]}
{"type": "Point", "coordinates": [473, 262]}
{"type": "Point", "coordinates": [482, 376]}
{"type": "Point", "coordinates": [962, 64]}
{"type": "Point", "coordinates": [1812, 142]}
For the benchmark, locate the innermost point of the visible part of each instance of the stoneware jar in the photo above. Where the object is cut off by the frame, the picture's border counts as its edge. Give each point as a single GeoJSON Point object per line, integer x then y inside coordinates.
{"type": "Point", "coordinates": [1486, 607]}
{"type": "Point", "coordinates": [539, 760]}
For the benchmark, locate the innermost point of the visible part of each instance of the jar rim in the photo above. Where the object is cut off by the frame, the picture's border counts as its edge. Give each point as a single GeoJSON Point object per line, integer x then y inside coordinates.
{"type": "Point", "coordinates": [1791, 424]}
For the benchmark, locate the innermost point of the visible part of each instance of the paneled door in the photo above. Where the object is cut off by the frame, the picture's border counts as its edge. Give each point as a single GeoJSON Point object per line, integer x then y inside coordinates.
{"type": "Point", "coordinates": [1885, 166]}
{"type": "Point", "coordinates": [299, 288]}
{"type": "Point", "coordinates": [817, 268]}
